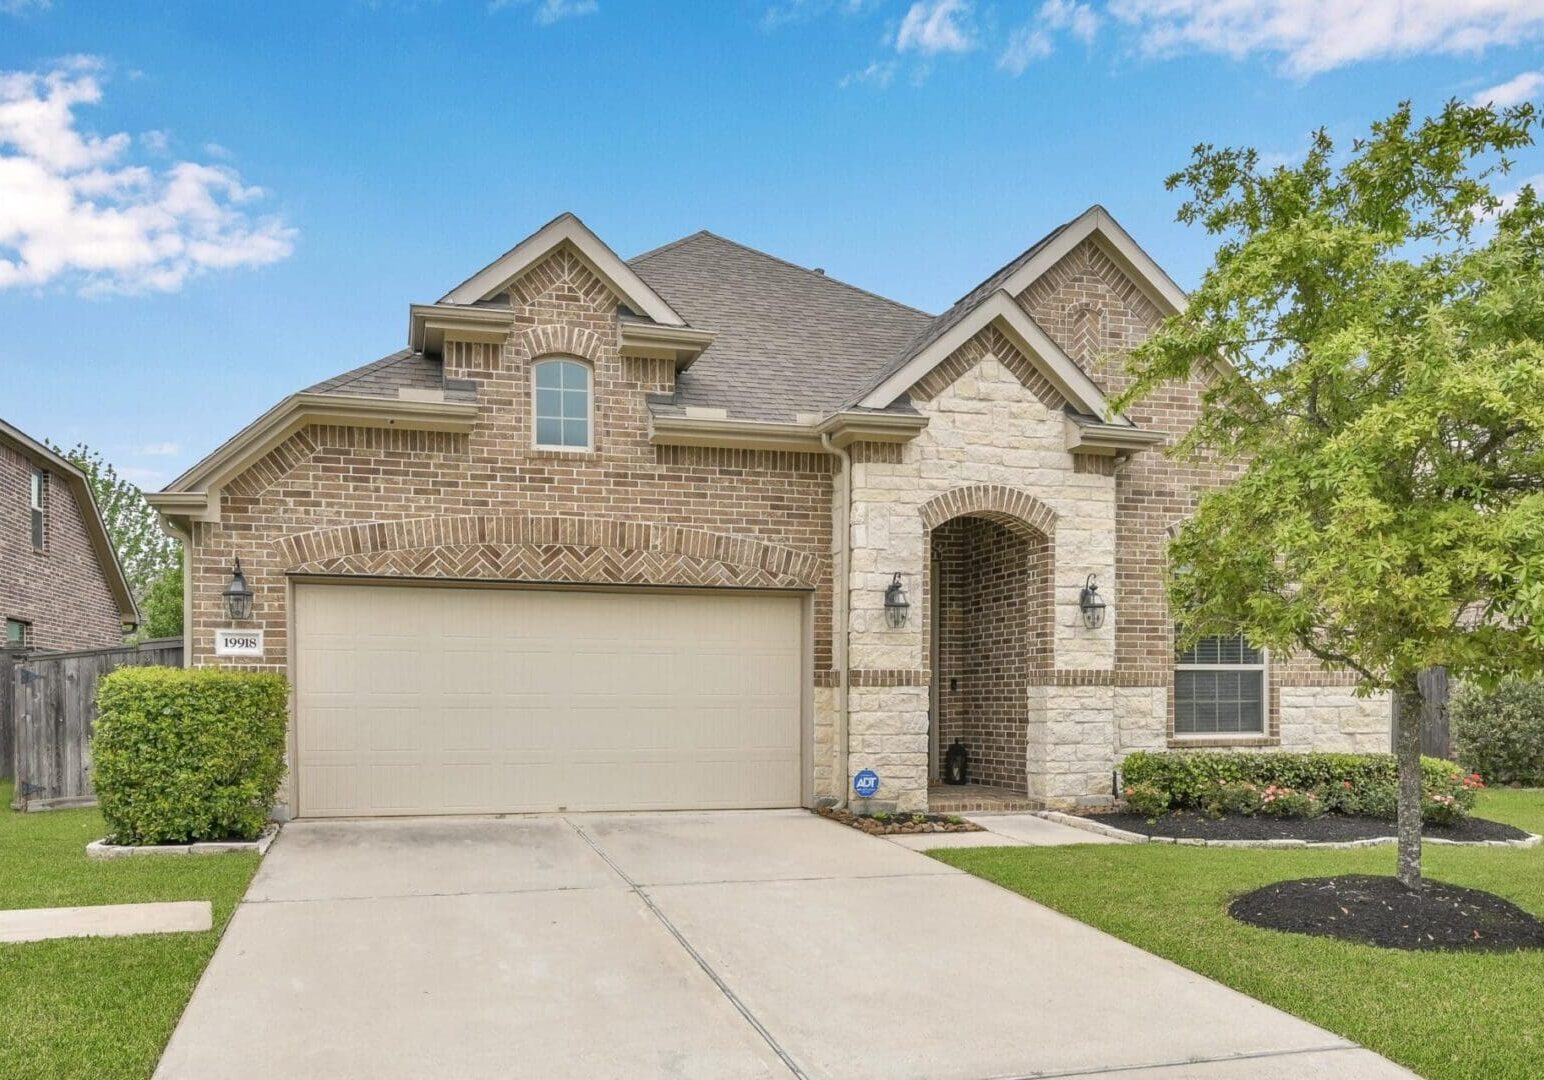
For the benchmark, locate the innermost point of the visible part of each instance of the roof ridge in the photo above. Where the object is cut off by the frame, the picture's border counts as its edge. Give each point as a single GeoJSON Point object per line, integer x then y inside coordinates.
{"type": "Point", "coordinates": [822, 275]}
{"type": "Point", "coordinates": [668, 246]}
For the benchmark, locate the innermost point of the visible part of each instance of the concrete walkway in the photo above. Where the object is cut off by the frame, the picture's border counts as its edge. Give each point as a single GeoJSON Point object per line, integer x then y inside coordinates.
{"type": "Point", "coordinates": [105, 920]}
{"type": "Point", "coordinates": [768, 944]}
{"type": "Point", "coordinates": [1003, 830]}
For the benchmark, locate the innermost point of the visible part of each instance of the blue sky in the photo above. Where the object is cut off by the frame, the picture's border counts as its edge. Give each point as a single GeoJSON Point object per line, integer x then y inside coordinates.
{"type": "Point", "coordinates": [205, 206]}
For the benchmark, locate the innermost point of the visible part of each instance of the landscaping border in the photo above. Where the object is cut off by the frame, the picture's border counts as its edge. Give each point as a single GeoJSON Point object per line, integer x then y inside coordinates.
{"type": "Point", "coordinates": [1088, 824]}
{"type": "Point", "coordinates": [101, 849]}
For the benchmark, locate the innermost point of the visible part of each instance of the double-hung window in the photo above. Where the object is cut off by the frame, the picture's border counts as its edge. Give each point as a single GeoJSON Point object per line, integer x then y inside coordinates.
{"type": "Point", "coordinates": [562, 405]}
{"type": "Point", "coordinates": [17, 634]}
{"type": "Point", "coordinates": [1219, 688]}
{"type": "Point", "coordinates": [38, 495]}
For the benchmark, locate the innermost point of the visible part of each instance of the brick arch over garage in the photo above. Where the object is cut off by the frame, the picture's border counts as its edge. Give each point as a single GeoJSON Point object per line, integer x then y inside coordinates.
{"type": "Point", "coordinates": [529, 547]}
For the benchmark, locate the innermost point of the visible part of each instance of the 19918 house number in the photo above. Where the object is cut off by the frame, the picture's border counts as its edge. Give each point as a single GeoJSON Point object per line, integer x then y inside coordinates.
{"type": "Point", "coordinates": [238, 643]}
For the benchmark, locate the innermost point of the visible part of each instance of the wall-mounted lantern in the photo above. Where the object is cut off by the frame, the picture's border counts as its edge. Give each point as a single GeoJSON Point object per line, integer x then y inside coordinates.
{"type": "Point", "coordinates": [238, 595]}
{"type": "Point", "coordinates": [1091, 605]}
{"type": "Point", "coordinates": [896, 604]}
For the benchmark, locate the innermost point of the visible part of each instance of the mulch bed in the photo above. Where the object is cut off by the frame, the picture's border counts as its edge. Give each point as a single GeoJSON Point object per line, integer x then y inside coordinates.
{"type": "Point", "coordinates": [1327, 828]}
{"type": "Point", "coordinates": [900, 822]}
{"type": "Point", "coordinates": [1380, 911]}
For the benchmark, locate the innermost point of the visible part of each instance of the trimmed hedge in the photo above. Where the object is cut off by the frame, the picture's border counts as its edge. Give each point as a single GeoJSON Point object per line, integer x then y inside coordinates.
{"type": "Point", "coordinates": [1351, 783]}
{"type": "Point", "coordinates": [188, 754]}
{"type": "Point", "coordinates": [1500, 733]}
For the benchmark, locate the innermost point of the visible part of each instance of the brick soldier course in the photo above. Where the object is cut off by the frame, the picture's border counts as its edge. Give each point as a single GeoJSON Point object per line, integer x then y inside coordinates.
{"type": "Point", "coordinates": [759, 425]}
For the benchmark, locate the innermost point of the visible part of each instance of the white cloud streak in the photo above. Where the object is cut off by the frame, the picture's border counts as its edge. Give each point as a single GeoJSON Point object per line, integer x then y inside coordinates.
{"type": "Point", "coordinates": [74, 208]}
{"type": "Point", "coordinates": [1514, 91]}
{"type": "Point", "coordinates": [936, 26]}
{"type": "Point", "coordinates": [1313, 36]}
{"type": "Point", "coordinates": [547, 12]}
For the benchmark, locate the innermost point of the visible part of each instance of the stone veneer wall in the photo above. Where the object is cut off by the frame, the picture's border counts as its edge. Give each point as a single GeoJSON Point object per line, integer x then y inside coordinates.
{"type": "Point", "coordinates": [487, 505]}
{"type": "Point", "coordinates": [61, 591]}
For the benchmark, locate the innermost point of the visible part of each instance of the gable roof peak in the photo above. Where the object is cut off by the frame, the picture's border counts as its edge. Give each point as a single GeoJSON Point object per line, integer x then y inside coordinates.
{"type": "Point", "coordinates": [566, 230]}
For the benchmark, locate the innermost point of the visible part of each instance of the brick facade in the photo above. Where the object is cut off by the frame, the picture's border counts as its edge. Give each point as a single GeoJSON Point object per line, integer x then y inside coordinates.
{"type": "Point", "coordinates": [987, 492]}
{"type": "Point", "coordinates": [61, 591]}
{"type": "Point", "coordinates": [336, 500]}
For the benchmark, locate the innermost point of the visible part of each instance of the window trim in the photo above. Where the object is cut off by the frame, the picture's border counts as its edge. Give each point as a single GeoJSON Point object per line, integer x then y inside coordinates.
{"type": "Point", "coordinates": [1263, 732]}
{"type": "Point", "coordinates": [589, 402]}
{"type": "Point", "coordinates": [37, 507]}
{"type": "Point", "coordinates": [26, 634]}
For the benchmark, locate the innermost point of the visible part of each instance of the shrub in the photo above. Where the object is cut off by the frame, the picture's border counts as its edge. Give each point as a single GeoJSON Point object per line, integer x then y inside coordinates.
{"type": "Point", "coordinates": [1147, 799]}
{"type": "Point", "coordinates": [1347, 783]}
{"type": "Point", "coordinates": [1284, 802]}
{"type": "Point", "coordinates": [1237, 797]}
{"type": "Point", "coordinates": [1500, 733]}
{"type": "Point", "coordinates": [184, 755]}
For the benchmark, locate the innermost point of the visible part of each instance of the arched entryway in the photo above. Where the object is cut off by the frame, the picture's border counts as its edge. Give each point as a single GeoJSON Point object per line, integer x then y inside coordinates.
{"type": "Point", "coordinates": [990, 631]}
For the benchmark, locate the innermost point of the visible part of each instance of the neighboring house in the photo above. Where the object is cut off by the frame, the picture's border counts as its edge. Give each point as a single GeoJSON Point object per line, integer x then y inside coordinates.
{"type": "Point", "coordinates": [574, 546]}
{"type": "Point", "coordinates": [61, 586]}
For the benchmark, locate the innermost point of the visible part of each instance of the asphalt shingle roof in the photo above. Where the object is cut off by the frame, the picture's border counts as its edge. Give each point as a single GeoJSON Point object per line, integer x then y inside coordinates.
{"type": "Point", "coordinates": [384, 377]}
{"type": "Point", "coordinates": [788, 340]}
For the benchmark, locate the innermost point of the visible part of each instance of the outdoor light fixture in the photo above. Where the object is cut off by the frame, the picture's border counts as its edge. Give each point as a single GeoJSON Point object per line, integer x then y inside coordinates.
{"type": "Point", "coordinates": [896, 604]}
{"type": "Point", "coordinates": [238, 595]}
{"type": "Point", "coordinates": [1090, 605]}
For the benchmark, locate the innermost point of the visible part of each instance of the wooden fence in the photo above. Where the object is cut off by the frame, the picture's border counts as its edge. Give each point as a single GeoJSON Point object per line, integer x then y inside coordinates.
{"type": "Point", "coordinates": [52, 709]}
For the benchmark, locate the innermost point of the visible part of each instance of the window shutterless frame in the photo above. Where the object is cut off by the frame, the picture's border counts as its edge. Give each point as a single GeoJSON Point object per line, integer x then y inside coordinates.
{"type": "Point", "coordinates": [1208, 704]}
{"type": "Point", "coordinates": [562, 404]}
{"type": "Point", "coordinates": [16, 633]}
{"type": "Point", "coordinates": [38, 495]}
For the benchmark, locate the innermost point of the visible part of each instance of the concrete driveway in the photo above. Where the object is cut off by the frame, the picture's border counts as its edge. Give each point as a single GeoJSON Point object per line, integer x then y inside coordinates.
{"type": "Point", "coordinates": [768, 944]}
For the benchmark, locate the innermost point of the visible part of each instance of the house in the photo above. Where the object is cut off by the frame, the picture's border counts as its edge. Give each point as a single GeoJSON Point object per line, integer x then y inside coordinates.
{"type": "Point", "coordinates": [61, 585]}
{"type": "Point", "coordinates": [574, 546]}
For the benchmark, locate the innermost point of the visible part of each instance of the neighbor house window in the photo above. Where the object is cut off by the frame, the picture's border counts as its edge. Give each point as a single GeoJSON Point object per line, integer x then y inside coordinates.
{"type": "Point", "coordinates": [1219, 688]}
{"type": "Point", "coordinates": [39, 491]}
{"type": "Point", "coordinates": [17, 633]}
{"type": "Point", "coordinates": [563, 405]}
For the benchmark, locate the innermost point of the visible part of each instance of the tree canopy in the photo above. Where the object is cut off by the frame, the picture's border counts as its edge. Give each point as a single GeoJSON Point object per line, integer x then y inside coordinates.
{"type": "Point", "coordinates": [1370, 334]}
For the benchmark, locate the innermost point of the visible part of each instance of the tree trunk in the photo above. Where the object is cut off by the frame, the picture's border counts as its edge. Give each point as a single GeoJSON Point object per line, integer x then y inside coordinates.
{"type": "Point", "coordinates": [1408, 751]}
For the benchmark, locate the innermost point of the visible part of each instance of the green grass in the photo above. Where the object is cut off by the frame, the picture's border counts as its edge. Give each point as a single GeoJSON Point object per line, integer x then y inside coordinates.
{"type": "Point", "coordinates": [1444, 1015]}
{"type": "Point", "coordinates": [98, 1007]}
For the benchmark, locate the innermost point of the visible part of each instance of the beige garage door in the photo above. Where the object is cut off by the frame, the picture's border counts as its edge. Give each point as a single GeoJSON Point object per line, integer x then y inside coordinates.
{"type": "Point", "coordinates": [417, 700]}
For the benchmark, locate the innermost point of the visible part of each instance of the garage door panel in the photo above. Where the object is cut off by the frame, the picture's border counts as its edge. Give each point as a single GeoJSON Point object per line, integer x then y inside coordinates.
{"type": "Point", "coordinates": [439, 700]}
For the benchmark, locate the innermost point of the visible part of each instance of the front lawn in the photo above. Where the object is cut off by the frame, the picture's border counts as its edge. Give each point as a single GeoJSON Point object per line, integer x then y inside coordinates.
{"type": "Point", "coordinates": [98, 1007]}
{"type": "Point", "coordinates": [1445, 1015]}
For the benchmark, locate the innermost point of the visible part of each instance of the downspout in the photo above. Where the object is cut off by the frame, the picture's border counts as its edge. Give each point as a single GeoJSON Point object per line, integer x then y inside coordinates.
{"type": "Point", "coordinates": [841, 513]}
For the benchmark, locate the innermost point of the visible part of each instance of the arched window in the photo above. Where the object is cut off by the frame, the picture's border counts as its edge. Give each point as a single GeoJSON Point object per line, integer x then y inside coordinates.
{"type": "Point", "coordinates": [561, 404]}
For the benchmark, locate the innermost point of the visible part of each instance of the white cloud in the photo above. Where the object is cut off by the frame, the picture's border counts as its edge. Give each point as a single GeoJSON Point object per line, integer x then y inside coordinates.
{"type": "Point", "coordinates": [1036, 40]}
{"type": "Point", "coordinates": [549, 11]}
{"type": "Point", "coordinates": [215, 150]}
{"type": "Point", "coordinates": [936, 26]}
{"type": "Point", "coordinates": [157, 142]}
{"type": "Point", "coordinates": [1514, 91]}
{"type": "Point", "coordinates": [143, 478]}
{"type": "Point", "coordinates": [21, 7]}
{"type": "Point", "coordinates": [160, 449]}
{"type": "Point", "coordinates": [1079, 20]}
{"type": "Point", "coordinates": [878, 73]}
{"type": "Point", "coordinates": [1025, 45]}
{"type": "Point", "coordinates": [797, 11]}
{"type": "Point", "coordinates": [1313, 36]}
{"type": "Point", "coordinates": [76, 209]}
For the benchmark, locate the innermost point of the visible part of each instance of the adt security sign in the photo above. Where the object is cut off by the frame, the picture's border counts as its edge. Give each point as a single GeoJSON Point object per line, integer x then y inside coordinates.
{"type": "Point", "coordinates": [866, 783]}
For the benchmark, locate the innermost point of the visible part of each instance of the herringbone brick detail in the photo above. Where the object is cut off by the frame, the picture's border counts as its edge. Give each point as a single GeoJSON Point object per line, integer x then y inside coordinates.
{"type": "Point", "coordinates": [552, 563]}
{"type": "Point", "coordinates": [532, 547]}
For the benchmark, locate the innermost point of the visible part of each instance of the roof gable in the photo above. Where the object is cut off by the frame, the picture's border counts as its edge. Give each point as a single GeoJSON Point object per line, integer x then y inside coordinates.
{"type": "Point", "coordinates": [91, 514]}
{"type": "Point", "coordinates": [569, 232]}
{"type": "Point", "coordinates": [992, 303]}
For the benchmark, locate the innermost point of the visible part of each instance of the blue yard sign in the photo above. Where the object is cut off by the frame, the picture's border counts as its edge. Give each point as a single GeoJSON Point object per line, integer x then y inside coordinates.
{"type": "Point", "coordinates": [866, 783]}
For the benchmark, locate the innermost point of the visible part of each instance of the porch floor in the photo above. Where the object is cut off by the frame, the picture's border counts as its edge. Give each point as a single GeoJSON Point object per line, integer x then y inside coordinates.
{"type": "Point", "coordinates": [977, 799]}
